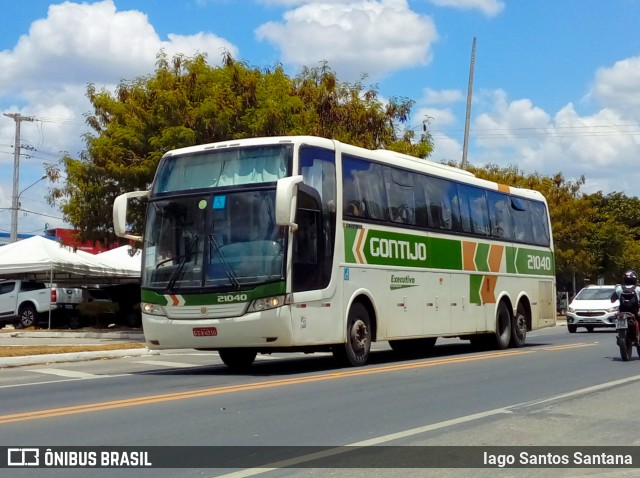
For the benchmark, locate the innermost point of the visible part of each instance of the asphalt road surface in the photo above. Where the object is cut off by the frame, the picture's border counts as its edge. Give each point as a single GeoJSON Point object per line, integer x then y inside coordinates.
{"type": "Point", "coordinates": [561, 389]}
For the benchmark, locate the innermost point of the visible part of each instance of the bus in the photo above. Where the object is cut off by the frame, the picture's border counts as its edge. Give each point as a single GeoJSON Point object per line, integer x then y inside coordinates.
{"type": "Point", "coordinates": [307, 244]}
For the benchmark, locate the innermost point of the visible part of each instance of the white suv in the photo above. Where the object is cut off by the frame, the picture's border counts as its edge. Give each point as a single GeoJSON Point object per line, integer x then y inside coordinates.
{"type": "Point", "coordinates": [591, 308]}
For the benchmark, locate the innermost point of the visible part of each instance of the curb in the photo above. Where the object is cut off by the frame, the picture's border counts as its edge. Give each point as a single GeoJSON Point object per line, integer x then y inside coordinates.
{"type": "Point", "coordinates": [72, 357]}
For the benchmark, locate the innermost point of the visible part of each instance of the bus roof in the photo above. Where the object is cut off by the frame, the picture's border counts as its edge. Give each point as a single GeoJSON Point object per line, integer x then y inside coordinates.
{"type": "Point", "coordinates": [381, 155]}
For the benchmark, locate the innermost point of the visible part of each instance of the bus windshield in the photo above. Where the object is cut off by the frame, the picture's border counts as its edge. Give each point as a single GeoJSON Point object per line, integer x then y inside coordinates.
{"type": "Point", "coordinates": [215, 241]}
{"type": "Point", "coordinates": [223, 167]}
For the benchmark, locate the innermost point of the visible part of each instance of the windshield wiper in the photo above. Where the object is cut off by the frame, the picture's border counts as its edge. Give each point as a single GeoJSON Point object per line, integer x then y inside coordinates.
{"type": "Point", "coordinates": [183, 260]}
{"type": "Point", "coordinates": [228, 270]}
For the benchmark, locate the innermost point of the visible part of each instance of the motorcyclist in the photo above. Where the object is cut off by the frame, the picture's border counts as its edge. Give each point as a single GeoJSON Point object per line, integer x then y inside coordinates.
{"type": "Point", "coordinates": [629, 283]}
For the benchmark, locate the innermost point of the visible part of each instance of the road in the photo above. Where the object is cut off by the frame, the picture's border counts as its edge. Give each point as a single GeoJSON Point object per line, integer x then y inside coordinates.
{"type": "Point", "coordinates": [560, 389]}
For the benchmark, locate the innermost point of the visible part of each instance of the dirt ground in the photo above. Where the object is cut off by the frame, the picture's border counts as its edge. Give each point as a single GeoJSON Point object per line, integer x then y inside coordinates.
{"type": "Point", "coordinates": [25, 350]}
{"type": "Point", "coordinates": [41, 349]}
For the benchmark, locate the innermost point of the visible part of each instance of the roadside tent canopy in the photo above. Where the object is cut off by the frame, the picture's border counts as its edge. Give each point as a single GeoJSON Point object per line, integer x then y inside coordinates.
{"type": "Point", "coordinates": [46, 260]}
{"type": "Point", "coordinates": [123, 257]}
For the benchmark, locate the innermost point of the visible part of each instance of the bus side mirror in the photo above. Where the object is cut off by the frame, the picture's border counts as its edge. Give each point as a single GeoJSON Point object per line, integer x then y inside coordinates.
{"type": "Point", "coordinates": [286, 194]}
{"type": "Point", "coordinates": [120, 214]}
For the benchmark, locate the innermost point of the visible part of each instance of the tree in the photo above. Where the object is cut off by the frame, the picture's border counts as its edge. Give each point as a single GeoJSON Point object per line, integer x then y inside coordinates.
{"type": "Point", "coordinates": [186, 101]}
{"type": "Point", "coordinates": [614, 234]}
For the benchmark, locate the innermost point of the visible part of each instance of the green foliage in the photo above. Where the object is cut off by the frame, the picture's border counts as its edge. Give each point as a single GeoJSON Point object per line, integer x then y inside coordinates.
{"type": "Point", "coordinates": [615, 231]}
{"type": "Point", "coordinates": [187, 102]}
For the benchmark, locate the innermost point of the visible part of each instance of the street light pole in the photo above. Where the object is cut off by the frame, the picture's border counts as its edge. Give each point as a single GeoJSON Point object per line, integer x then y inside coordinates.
{"type": "Point", "coordinates": [18, 118]}
{"type": "Point", "coordinates": [18, 205]}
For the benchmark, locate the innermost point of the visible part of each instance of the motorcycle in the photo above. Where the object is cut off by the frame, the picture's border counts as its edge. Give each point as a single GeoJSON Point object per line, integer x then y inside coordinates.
{"type": "Point", "coordinates": [626, 334]}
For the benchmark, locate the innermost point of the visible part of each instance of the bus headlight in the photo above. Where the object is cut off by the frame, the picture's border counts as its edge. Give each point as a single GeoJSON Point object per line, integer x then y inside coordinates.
{"type": "Point", "coordinates": [152, 309]}
{"type": "Point", "coordinates": [266, 303]}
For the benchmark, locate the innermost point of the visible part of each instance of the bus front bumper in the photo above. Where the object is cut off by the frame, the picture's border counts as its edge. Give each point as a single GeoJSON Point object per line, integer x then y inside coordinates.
{"type": "Point", "coordinates": [268, 329]}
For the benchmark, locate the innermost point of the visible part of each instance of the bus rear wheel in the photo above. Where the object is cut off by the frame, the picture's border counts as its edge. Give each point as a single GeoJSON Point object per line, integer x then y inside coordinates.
{"type": "Point", "coordinates": [237, 359]}
{"type": "Point", "coordinates": [355, 351]}
{"type": "Point", "coordinates": [503, 327]}
{"type": "Point", "coordinates": [519, 328]}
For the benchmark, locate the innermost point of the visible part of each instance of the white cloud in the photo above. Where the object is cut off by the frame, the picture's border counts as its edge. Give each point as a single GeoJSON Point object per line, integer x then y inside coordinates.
{"type": "Point", "coordinates": [442, 96]}
{"type": "Point", "coordinates": [47, 71]}
{"type": "Point", "coordinates": [82, 43]}
{"type": "Point", "coordinates": [437, 118]}
{"type": "Point", "coordinates": [519, 133]}
{"type": "Point", "coordinates": [372, 37]}
{"type": "Point", "coordinates": [619, 86]}
{"type": "Point", "coordinates": [490, 8]}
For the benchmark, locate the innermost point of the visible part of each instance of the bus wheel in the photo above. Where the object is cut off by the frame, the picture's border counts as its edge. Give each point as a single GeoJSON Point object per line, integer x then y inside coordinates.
{"type": "Point", "coordinates": [237, 359]}
{"type": "Point", "coordinates": [503, 327]}
{"type": "Point", "coordinates": [519, 328]}
{"type": "Point", "coordinates": [355, 351]}
{"type": "Point", "coordinates": [413, 347]}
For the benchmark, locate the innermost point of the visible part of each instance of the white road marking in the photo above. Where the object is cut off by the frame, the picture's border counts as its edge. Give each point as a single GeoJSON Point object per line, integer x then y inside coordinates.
{"type": "Point", "coordinates": [67, 373]}
{"type": "Point", "coordinates": [167, 364]}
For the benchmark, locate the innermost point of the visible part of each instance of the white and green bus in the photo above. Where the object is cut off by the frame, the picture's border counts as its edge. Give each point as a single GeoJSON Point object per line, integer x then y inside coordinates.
{"type": "Point", "coordinates": [307, 244]}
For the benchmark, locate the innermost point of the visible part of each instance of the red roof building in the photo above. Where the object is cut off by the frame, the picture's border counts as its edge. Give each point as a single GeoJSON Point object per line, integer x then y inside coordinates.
{"type": "Point", "coordinates": [69, 237]}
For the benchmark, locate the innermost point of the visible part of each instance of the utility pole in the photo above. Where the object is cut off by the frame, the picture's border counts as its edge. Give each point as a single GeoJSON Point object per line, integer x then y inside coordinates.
{"type": "Point", "coordinates": [18, 118]}
{"type": "Point", "coordinates": [465, 147]}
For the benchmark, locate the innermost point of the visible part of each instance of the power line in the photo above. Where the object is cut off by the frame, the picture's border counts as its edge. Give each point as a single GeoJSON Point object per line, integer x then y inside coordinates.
{"type": "Point", "coordinates": [44, 119]}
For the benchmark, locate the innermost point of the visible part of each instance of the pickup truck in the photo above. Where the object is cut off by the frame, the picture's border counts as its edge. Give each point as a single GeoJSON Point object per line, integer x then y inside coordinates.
{"type": "Point", "coordinates": [23, 303]}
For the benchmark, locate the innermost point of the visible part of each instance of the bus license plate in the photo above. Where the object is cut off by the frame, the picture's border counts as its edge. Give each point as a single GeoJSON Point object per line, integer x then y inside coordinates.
{"type": "Point", "coordinates": [205, 331]}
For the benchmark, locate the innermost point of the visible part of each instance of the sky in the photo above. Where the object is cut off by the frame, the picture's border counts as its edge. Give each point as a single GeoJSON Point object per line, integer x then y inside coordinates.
{"type": "Point", "coordinates": [556, 83]}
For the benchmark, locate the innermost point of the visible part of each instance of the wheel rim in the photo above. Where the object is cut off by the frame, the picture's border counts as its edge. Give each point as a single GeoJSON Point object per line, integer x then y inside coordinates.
{"type": "Point", "coordinates": [521, 327]}
{"type": "Point", "coordinates": [359, 337]}
{"type": "Point", "coordinates": [27, 318]}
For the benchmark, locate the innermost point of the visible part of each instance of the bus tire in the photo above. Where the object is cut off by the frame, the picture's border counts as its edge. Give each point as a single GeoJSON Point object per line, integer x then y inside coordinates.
{"type": "Point", "coordinates": [238, 359]}
{"type": "Point", "coordinates": [519, 328]}
{"type": "Point", "coordinates": [355, 351]}
{"type": "Point", "coordinates": [502, 336]}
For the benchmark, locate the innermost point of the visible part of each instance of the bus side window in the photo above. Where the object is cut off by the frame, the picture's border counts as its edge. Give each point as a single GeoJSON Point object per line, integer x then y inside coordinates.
{"type": "Point", "coordinates": [463, 204]}
{"type": "Point", "coordinates": [436, 216]}
{"type": "Point", "coordinates": [441, 198]}
{"type": "Point", "coordinates": [451, 208]}
{"type": "Point", "coordinates": [400, 195]}
{"type": "Point", "coordinates": [499, 211]}
{"type": "Point", "coordinates": [521, 220]}
{"type": "Point", "coordinates": [539, 223]}
{"type": "Point", "coordinates": [351, 193]}
{"type": "Point", "coordinates": [363, 190]}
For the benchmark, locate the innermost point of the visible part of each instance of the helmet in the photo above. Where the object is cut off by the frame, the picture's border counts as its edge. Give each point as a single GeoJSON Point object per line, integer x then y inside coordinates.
{"type": "Point", "coordinates": [630, 278]}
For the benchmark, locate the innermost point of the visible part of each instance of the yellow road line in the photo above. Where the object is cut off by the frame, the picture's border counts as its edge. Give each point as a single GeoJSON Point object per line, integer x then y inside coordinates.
{"type": "Point", "coordinates": [132, 402]}
{"type": "Point", "coordinates": [568, 346]}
